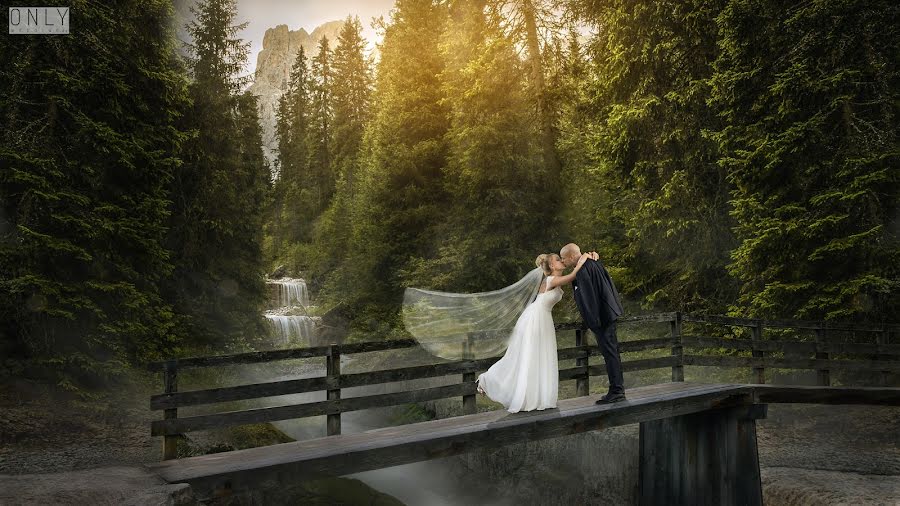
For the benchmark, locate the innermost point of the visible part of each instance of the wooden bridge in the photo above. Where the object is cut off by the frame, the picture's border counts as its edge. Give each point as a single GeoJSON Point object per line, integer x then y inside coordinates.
{"type": "Point", "coordinates": [697, 440]}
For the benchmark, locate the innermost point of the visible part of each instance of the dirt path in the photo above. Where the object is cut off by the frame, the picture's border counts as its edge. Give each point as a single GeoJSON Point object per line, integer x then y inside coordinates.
{"type": "Point", "coordinates": [42, 431]}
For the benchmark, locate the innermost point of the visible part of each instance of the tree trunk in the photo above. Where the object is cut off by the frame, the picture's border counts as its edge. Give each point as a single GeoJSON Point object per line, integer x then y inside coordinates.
{"type": "Point", "coordinates": [537, 75]}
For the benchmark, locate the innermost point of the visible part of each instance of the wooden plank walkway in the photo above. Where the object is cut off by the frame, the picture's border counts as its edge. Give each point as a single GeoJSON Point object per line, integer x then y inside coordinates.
{"type": "Point", "coordinates": [374, 449]}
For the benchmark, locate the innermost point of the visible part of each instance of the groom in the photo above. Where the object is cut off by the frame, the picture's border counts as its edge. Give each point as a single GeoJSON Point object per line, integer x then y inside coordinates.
{"type": "Point", "coordinates": [598, 302]}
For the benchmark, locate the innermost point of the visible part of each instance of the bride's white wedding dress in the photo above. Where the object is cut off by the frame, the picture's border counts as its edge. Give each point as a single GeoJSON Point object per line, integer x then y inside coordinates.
{"type": "Point", "coordinates": [527, 376]}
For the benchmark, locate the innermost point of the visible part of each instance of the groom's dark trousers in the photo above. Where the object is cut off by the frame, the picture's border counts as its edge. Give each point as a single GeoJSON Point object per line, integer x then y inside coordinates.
{"type": "Point", "coordinates": [609, 348]}
{"type": "Point", "coordinates": [598, 301]}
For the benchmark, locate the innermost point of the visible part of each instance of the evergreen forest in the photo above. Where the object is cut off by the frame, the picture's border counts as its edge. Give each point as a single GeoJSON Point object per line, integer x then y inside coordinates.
{"type": "Point", "coordinates": [736, 157]}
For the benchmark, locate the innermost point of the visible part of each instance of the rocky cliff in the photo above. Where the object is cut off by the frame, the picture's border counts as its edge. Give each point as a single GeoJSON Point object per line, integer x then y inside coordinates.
{"type": "Point", "coordinates": [273, 68]}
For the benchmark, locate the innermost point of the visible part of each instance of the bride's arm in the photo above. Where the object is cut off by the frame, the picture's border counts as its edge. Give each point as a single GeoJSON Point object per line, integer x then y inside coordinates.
{"type": "Point", "coordinates": [565, 280]}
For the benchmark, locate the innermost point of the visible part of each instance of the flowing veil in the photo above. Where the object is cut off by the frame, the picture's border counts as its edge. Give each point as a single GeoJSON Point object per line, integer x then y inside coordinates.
{"type": "Point", "coordinates": [442, 321]}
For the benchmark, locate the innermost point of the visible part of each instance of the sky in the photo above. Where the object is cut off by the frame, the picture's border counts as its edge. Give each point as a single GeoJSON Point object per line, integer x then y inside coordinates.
{"type": "Point", "coordinates": [306, 14]}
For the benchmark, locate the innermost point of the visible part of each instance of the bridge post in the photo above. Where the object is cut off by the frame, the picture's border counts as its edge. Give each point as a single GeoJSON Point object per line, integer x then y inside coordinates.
{"type": "Point", "coordinates": [677, 349]}
{"type": "Point", "coordinates": [170, 382]}
{"type": "Point", "coordinates": [757, 329]}
{"type": "Point", "coordinates": [582, 383]}
{"type": "Point", "coordinates": [469, 401]}
{"type": "Point", "coordinates": [705, 458]}
{"type": "Point", "coordinates": [823, 376]}
{"type": "Point", "coordinates": [333, 368]}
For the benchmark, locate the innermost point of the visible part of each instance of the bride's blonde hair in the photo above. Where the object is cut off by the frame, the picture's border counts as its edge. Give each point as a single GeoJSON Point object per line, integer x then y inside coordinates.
{"type": "Point", "coordinates": [543, 261]}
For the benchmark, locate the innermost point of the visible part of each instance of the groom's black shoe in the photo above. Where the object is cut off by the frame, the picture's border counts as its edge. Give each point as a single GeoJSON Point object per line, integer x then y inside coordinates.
{"type": "Point", "coordinates": [610, 398]}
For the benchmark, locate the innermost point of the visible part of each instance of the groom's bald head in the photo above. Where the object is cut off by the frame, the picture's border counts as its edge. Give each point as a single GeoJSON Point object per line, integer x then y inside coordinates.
{"type": "Point", "coordinates": [569, 254]}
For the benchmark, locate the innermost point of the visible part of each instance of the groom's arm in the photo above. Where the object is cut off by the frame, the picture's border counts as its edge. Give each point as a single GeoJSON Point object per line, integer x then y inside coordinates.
{"type": "Point", "coordinates": [589, 292]}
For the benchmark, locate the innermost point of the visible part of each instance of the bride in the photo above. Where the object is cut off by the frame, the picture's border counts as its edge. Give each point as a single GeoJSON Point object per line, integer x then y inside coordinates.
{"type": "Point", "coordinates": [527, 376]}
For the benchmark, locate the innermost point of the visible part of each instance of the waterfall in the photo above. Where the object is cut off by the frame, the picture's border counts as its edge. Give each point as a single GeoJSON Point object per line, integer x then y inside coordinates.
{"type": "Point", "coordinates": [291, 291]}
{"type": "Point", "coordinates": [293, 330]}
{"type": "Point", "coordinates": [289, 313]}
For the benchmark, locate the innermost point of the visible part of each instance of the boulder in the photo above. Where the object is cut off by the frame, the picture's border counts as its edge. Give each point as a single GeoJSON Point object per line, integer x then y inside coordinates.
{"type": "Point", "coordinates": [279, 272]}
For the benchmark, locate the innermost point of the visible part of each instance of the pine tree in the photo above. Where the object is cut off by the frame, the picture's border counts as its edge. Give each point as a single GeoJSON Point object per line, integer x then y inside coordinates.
{"type": "Point", "coordinates": [321, 174]}
{"type": "Point", "coordinates": [275, 226]}
{"type": "Point", "coordinates": [526, 21]}
{"type": "Point", "coordinates": [217, 218]}
{"type": "Point", "coordinates": [810, 92]}
{"type": "Point", "coordinates": [400, 196]}
{"type": "Point", "coordinates": [643, 184]}
{"type": "Point", "coordinates": [87, 152]}
{"type": "Point", "coordinates": [296, 196]}
{"type": "Point", "coordinates": [495, 178]}
{"type": "Point", "coordinates": [350, 91]}
{"type": "Point", "coordinates": [293, 149]}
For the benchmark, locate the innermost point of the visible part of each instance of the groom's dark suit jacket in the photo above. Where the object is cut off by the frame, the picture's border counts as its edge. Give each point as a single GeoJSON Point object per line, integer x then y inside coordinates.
{"type": "Point", "coordinates": [596, 295]}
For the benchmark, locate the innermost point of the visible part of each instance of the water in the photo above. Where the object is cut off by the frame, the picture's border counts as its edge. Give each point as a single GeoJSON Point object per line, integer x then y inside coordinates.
{"type": "Point", "coordinates": [424, 483]}
{"type": "Point", "coordinates": [292, 292]}
{"type": "Point", "coordinates": [419, 484]}
{"type": "Point", "coordinates": [292, 330]}
{"type": "Point", "coordinates": [289, 314]}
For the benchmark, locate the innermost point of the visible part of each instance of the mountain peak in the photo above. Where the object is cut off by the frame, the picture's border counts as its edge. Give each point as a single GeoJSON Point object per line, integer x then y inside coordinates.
{"type": "Point", "coordinates": [330, 29]}
{"type": "Point", "coordinates": [273, 68]}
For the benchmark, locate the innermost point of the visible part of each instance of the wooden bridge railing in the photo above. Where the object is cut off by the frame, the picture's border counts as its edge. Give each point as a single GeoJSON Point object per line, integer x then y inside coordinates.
{"type": "Point", "coordinates": [884, 358]}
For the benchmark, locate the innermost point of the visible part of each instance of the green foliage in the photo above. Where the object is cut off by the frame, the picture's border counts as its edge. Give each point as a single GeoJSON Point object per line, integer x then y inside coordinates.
{"type": "Point", "coordinates": [728, 148]}
{"type": "Point", "coordinates": [87, 150]}
{"type": "Point", "coordinates": [219, 192]}
{"type": "Point", "coordinates": [305, 183]}
{"type": "Point", "coordinates": [400, 198]}
{"type": "Point", "coordinates": [809, 95]}
{"type": "Point", "coordinates": [495, 177]}
{"type": "Point", "coordinates": [293, 196]}
{"type": "Point", "coordinates": [644, 181]}
{"type": "Point", "coordinates": [699, 164]}
{"type": "Point", "coordinates": [449, 174]}
{"type": "Point", "coordinates": [320, 175]}
{"type": "Point", "coordinates": [734, 154]}
{"type": "Point", "coordinates": [350, 90]}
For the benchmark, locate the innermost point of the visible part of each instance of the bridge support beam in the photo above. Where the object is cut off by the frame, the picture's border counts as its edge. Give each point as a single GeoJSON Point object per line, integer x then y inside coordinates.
{"type": "Point", "coordinates": [702, 458]}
